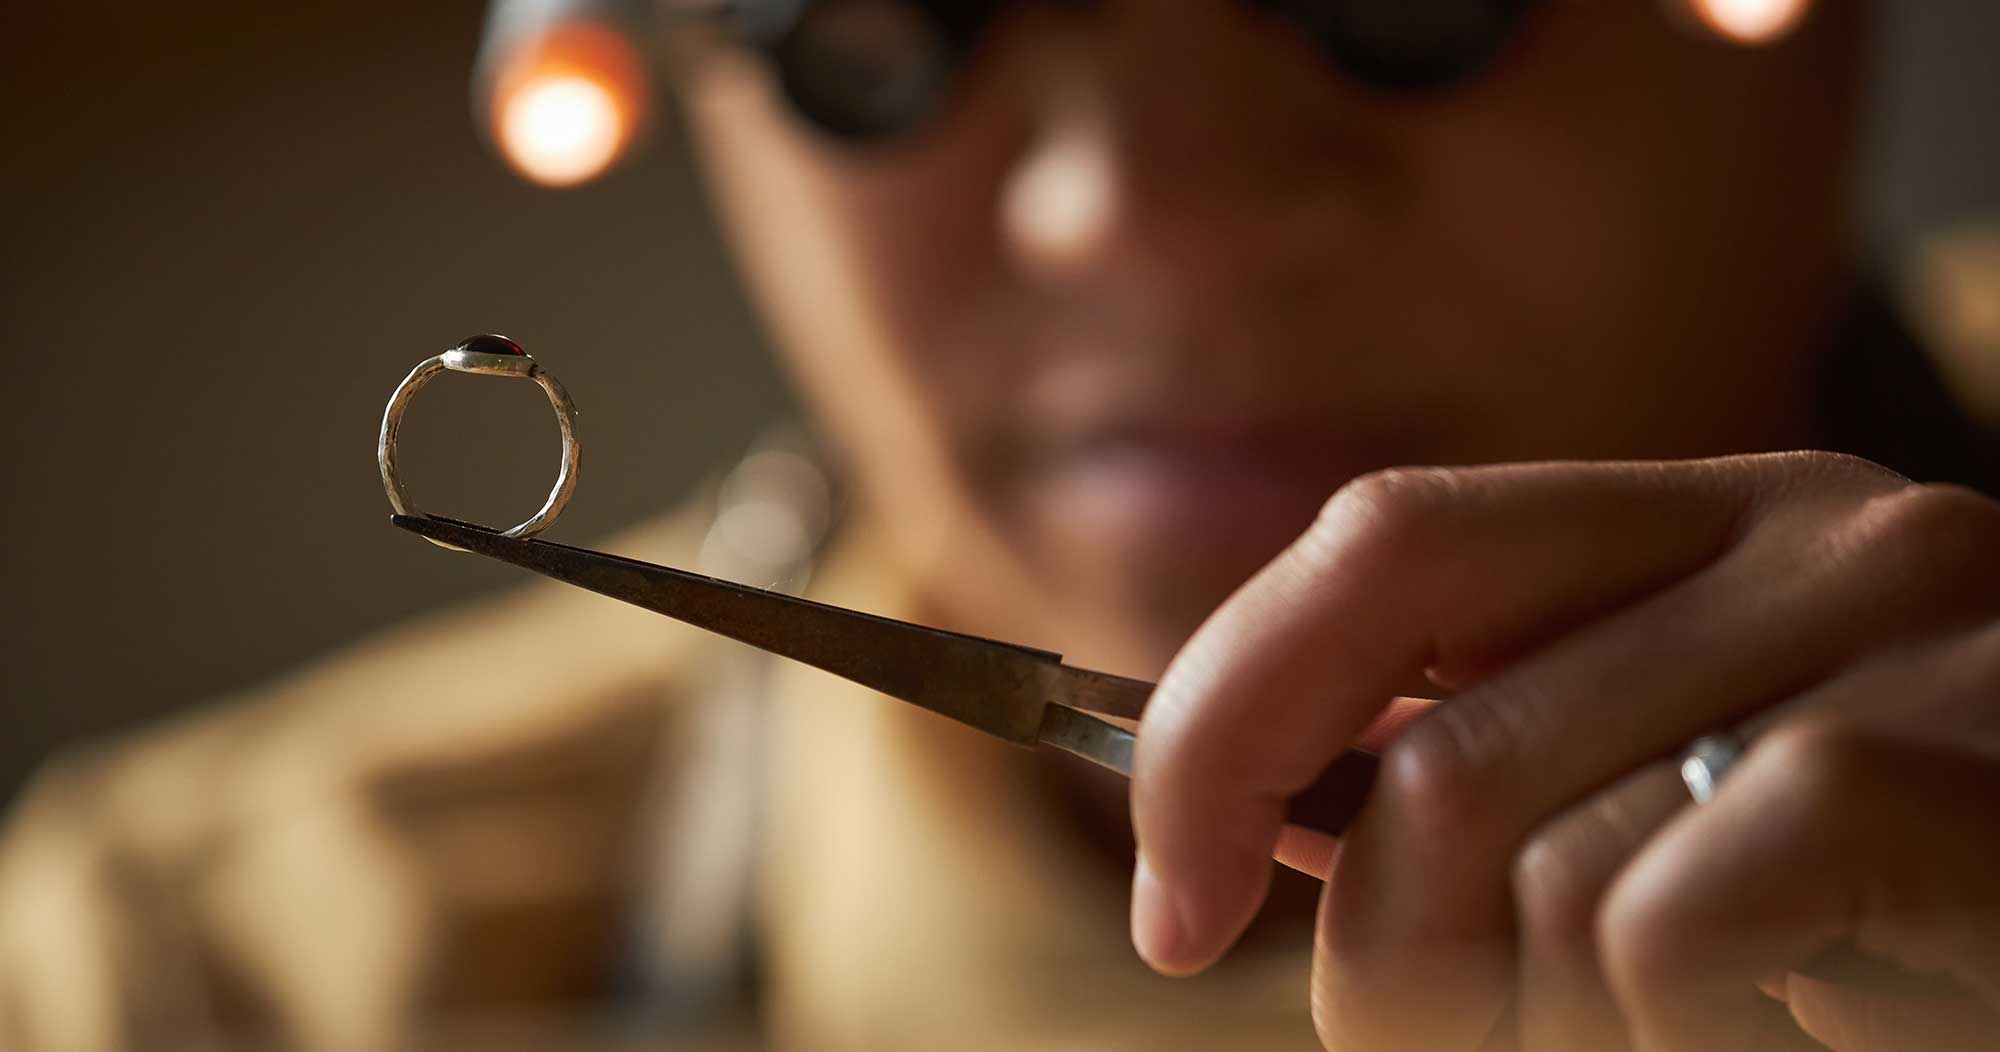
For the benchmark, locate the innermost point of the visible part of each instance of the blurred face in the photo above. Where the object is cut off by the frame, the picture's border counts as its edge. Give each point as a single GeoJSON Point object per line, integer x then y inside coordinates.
{"type": "Point", "coordinates": [1099, 340]}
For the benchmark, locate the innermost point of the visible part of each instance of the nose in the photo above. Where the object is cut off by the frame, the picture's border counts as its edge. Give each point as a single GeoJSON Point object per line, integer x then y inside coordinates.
{"type": "Point", "coordinates": [1059, 205]}
{"type": "Point", "coordinates": [1175, 147]}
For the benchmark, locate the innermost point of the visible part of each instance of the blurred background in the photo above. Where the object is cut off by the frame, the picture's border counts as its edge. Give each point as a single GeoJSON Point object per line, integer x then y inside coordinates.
{"type": "Point", "coordinates": [231, 228]}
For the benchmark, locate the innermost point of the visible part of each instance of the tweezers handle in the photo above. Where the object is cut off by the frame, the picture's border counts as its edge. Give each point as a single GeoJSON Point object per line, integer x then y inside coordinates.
{"type": "Point", "coordinates": [1327, 806]}
{"type": "Point", "coordinates": [1331, 802]}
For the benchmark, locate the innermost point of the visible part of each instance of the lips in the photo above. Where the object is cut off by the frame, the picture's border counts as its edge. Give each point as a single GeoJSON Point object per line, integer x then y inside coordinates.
{"type": "Point", "coordinates": [1125, 439]}
{"type": "Point", "coordinates": [1197, 483]}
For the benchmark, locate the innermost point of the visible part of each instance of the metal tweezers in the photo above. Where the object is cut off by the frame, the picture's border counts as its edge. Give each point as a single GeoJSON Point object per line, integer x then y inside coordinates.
{"type": "Point", "coordinates": [1022, 695]}
{"type": "Point", "coordinates": [1026, 696]}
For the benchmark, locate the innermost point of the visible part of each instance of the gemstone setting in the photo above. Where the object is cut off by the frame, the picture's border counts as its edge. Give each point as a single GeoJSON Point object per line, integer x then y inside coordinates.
{"type": "Point", "coordinates": [490, 343]}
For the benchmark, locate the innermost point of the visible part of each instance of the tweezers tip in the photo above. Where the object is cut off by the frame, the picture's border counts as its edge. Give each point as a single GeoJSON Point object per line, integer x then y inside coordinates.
{"type": "Point", "coordinates": [436, 528]}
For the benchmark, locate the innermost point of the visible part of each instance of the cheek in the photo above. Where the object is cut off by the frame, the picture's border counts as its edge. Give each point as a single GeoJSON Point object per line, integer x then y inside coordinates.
{"type": "Point", "coordinates": [870, 269]}
{"type": "Point", "coordinates": [1628, 219]}
{"type": "Point", "coordinates": [919, 237]}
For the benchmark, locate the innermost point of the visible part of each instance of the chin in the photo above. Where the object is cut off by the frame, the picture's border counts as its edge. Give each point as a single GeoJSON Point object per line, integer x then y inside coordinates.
{"type": "Point", "coordinates": [1133, 584]}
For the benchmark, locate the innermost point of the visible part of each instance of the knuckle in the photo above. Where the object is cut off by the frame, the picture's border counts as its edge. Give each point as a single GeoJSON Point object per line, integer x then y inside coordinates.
{"type": "Point", "coordinates": [1936, 532]}
{"type": "Point", "coordinates": [1432, 779]}
{"type": "Point", "coordinates": [1385, 513]}
{"type": "Point", "coordinates": [1821, 761]}
{"type": "Point", "coordinates": [1557, 890]}
{"type": "Point", "coordinates": [1940, 511]}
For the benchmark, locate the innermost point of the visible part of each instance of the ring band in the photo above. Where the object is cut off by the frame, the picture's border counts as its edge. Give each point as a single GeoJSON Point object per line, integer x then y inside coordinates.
{"type": "Point", "coordinates": [483, 356]}
{"type": "Point", "coordinates": [1706, 761]}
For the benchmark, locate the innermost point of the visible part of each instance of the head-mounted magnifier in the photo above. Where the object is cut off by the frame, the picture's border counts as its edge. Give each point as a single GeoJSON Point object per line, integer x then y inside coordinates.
{"type": "Point", "coordinates": [874, 69]}
{"type": "Point", "coordinates": [561, 84]}
{"type": "Point", "coordinates": [865, 70]}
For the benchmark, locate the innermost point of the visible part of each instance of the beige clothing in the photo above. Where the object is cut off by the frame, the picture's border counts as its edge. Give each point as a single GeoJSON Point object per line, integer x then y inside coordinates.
{"type": "Point", "coordinates": [443, 832]}
{"type": "Point", "coordinates": [462, 821]}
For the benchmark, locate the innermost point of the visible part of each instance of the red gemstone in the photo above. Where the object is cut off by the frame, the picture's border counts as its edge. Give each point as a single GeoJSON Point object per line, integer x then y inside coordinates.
{"type": "Point", "coordinates": [490, 344]}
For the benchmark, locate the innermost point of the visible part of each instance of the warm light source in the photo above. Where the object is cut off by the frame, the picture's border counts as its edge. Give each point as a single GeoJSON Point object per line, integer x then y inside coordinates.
{"type": "Point", "coordinates": [1751, 21]}
{"type": "Point", "coordinates": [566, 102]}
{"type": "Point", "coordinates": [560, 129]}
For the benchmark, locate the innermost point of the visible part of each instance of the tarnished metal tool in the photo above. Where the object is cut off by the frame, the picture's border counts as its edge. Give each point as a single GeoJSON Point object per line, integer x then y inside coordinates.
{"type": "Point", "coordinates": [1026, 696]}
{"type": "Point", "coordinates": [1029, 697]}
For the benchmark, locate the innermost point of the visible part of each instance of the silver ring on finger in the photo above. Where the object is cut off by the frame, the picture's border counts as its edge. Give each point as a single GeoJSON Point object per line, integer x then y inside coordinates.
{"type": "Point", "coordinates": [1707, 761]}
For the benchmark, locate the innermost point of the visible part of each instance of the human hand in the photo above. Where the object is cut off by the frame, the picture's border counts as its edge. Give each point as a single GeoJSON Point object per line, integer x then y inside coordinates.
{"type": "Point", "coordinates": [1529, 870]}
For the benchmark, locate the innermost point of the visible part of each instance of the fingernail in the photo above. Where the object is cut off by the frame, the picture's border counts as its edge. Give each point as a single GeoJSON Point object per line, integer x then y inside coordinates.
{"type": "Point", "coordinates": [1156, 924]}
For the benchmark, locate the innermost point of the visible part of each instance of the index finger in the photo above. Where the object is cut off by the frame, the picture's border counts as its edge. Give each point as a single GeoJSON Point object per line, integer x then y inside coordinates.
{"type": "Point", "coordinates": [1403, 571]}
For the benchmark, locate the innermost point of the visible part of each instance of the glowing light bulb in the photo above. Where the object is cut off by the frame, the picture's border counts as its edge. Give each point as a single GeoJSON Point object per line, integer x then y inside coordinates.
{"type": "Point", "coordinates": [561, 129]}
{"type": "Point", "coordinates": [1752, 21]}
{"type": "Point", "coordinates": [565, 102]}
